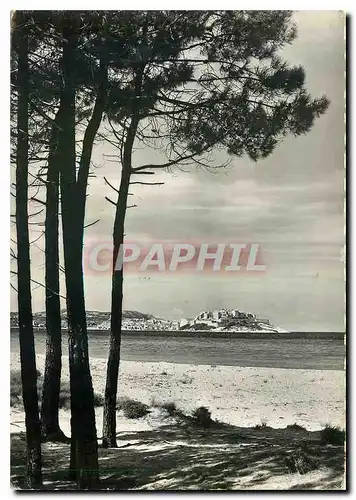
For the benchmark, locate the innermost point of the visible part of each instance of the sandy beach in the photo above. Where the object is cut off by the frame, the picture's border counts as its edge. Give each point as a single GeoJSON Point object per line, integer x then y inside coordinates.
{"type": "Point", "coordinates": [237, 396]}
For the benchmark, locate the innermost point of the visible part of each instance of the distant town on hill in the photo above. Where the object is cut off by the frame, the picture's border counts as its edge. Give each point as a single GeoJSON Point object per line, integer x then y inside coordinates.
{"type": "Point", "coordinates": [224, 320]}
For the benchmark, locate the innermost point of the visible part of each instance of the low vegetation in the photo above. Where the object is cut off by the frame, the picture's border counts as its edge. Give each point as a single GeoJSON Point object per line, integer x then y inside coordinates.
{"type": "Point", "coordinates": [301, 462]}
{"type": "Point", "coordinates": [64, 396]}
{"type": "Point", "coordinates": [332, 435]}
{"type": "Point", "coordinates": [132, 408]}
{"type": "Point", "coordinates": [293, 452]}
{"type": "Point", "coordinates": [261, 425]}
{"type": "Point", "coordinates": [296, 427]}
{"type": "Point", "coordinates": [202, 417]}
{"type": "Point", "coordinates": [171, 409]}
{"type": "Point", "coordinates": [15, 388]}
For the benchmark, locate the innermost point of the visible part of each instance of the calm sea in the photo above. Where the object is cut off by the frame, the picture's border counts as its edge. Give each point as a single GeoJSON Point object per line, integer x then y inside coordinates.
{"type": "Point", "coordinates": [324, 351]}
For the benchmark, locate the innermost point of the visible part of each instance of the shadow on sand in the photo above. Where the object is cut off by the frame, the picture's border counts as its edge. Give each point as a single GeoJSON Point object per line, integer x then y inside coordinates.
{"type": "Point", "coordinates": [183, 457]}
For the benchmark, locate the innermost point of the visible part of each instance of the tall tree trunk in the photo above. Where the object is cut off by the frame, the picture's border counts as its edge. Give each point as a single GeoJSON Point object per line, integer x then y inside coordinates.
{"type": "Point", "coordinates": [112, 373]}
{"type": "Point", "coordinates": [84, 447]}
{"type": "Point", "coordinates": [53, 365]}
{"type": "Point", "coordinates": [27, 344]}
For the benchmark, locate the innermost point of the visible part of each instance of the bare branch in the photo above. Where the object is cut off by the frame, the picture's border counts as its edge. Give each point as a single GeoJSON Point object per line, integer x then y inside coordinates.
{"type": "Point", "coordinates": [36, 213]}
{"type": "Point", "coordinates": [110, 201]}
{"type": "Point", "coordinates": [36, 239]}
{"type": "Point", "coordinates": [92, 223]}
{"type": "Point", "coordinates": [38, 177]}
{"type": "Point", "coordinates": [142, 172]}
{"type": "Point", "coordinates": [112, 187]}
{"type": "Point", "coordinates": [46, 117]}
{"type": "Point", "coordinates": [148, 183]}
{"type": "Point", "coordinates": [61, 268]}
{"type": "Point", "coordinates": [165, 165]}
{"type": "Point", "coordinates": [38, 201]}
{"type": "Point", "coordinates": [43, 286]}
{"type": "Point", "coordinates": [12, 253]}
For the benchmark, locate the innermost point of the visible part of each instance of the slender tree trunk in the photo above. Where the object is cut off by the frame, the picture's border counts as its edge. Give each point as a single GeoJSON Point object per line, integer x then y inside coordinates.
{"type": "Point", "coordinates": [89, 137]}
{"type": "Point", "coordinates": [112, 373]}
{"type": "Point", "coordinates": [53, 365]}
{"type": "Point", "coordinates": [27, 344]}
{"type": "Point", "coordinates": [84, 447]}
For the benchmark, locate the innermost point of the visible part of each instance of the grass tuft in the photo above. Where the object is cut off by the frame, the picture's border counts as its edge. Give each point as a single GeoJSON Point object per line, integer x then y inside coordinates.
{"type": "Point", "coordinates": [301, 463]}
{"type": "Point", "coordinates": [262, 425]}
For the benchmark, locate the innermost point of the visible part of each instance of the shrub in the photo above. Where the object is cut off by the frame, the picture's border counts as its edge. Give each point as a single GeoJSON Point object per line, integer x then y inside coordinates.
{"type": "Point", "coordinates": [64, 397]}
{"type": "Point", "coordinates": [15, 401]}
{"type": "Point", "coordinates": [170, 408]}
{"type": "Point", "coordinates": [98, 400]}
{"type": "Point", "coordinates": [296, 427]}
{"type": "Point", "coordinates": [202, 417]}
{"type": "Point", "coordinates": [132, 408]}
{"type": "Point", "coordinates": [15, 383]}
{"type": "Point", "coordinates": [332, 435]}
{"type": "Point", "coordinates": [15, 377]}
{"type": "Point", "coordinates": [15, 388]}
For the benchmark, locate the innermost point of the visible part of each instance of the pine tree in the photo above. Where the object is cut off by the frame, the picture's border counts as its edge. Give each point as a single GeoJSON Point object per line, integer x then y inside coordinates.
{"type": "Point", "coordinates": [193, 82]}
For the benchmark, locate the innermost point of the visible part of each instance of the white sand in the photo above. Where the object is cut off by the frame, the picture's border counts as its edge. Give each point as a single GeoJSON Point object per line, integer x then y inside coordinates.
{"type": "Point", "coordinates": [239, 396]}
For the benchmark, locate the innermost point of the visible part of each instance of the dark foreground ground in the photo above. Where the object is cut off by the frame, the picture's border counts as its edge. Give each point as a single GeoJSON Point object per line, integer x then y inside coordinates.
{"type": "Point", "coordinates": [177, 456]}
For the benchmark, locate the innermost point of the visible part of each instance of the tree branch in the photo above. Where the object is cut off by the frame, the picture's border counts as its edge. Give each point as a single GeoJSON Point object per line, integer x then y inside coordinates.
{"type": "Point", "coordinates": [38, 201]}
{"type": "Point", "coordinates": [92, 223]}
{"type": "Point", "coordinates": [164, 165]}
{"type": "Point", "coordinates": [42, 285]}
{"type": "Point", "coordinates": [112, 202]}
{"type": "Point", "coordinates": [148, 183]}
{"type": "Point", "coordinates": [36, 239]}
{"type": "Point", "coordinates": [112, 187]}
{"type": "Point", "coordinates": [36, 213]}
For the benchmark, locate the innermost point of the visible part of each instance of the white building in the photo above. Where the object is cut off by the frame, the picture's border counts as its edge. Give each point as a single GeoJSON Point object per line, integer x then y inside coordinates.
{"type": "Point", "coordinates": [221, 314]}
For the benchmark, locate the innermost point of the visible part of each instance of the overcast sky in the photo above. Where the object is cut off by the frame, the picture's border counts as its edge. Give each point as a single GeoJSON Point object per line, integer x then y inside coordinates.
{"type": "Point", "coordinates": [292, 204]}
